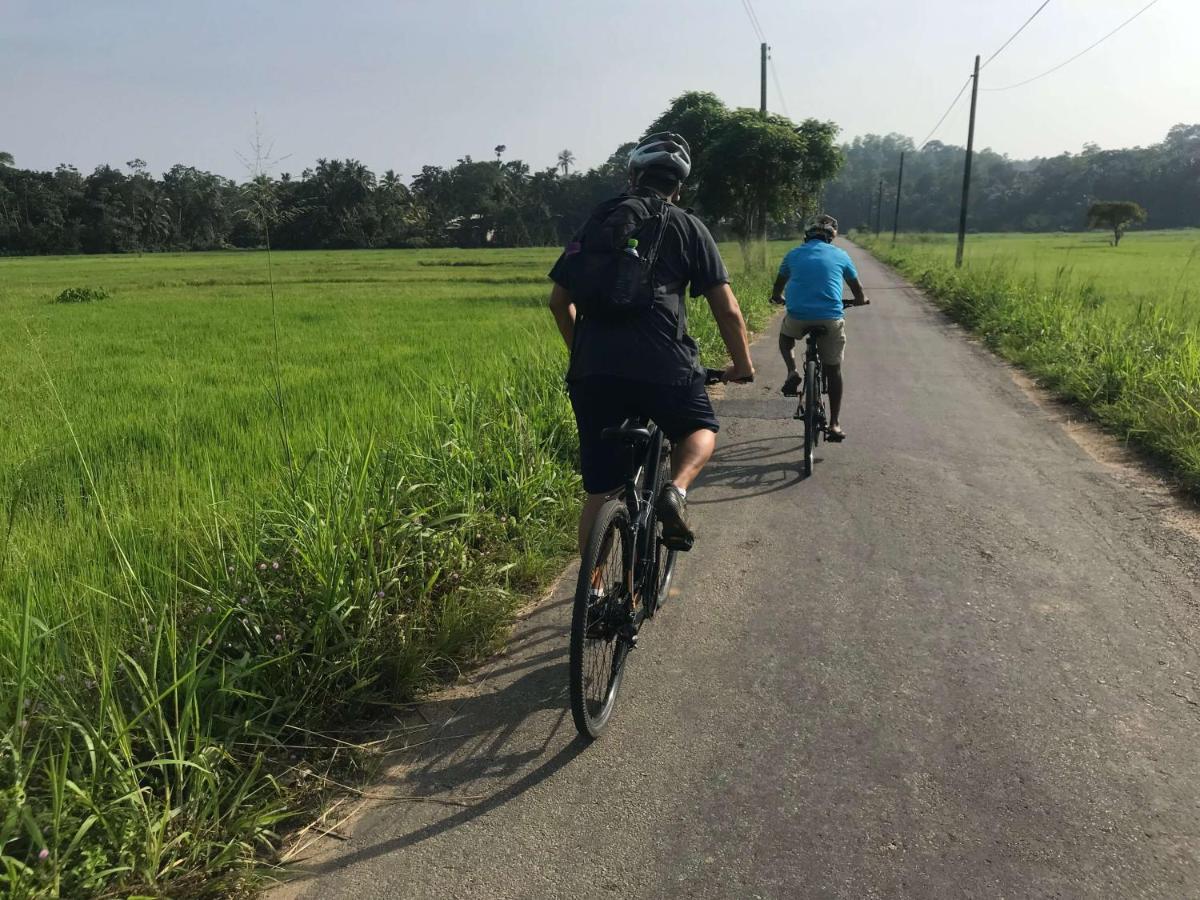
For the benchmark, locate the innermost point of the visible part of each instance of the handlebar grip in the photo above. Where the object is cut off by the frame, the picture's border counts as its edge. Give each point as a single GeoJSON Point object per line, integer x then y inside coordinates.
{"type": "Point", "coordinates": [717, 376]}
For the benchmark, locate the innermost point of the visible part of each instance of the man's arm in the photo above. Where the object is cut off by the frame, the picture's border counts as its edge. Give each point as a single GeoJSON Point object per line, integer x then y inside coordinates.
{"type": "Point", "coordinates": [781, 281]}
{"type": "Point", "coordinates": [563, 308]}
{"type": "Point", "coordinates": [732, 326]}
{"type": "Point", "coordinates": [860, 299]}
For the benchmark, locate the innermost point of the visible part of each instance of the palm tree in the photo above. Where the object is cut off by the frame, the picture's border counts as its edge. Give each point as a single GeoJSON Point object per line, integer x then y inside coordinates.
{"type": "Point", "coordinates": [566, 159]}
{"type": "Point", "coordinates": [500, 148]}
{"type": "Point", "coordinates": [6, 158]}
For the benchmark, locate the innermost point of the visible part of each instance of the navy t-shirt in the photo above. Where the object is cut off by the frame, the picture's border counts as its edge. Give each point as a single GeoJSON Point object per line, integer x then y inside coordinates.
{"type": "Point", "coordinates": [651, 346]}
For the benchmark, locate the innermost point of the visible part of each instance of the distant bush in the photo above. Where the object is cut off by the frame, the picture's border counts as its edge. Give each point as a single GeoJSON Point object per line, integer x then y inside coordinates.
{"type": "Point", "coordinates": [81, 295]}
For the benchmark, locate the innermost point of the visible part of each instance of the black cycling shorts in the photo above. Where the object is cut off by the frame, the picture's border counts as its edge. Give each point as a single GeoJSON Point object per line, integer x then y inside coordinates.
{"type": "Point", "coordinates": [603, 401]}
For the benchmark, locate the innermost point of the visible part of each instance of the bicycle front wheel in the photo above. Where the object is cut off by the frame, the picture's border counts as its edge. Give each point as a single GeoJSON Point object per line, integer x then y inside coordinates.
{"type": "Point", "coordinates": [812, 400]}
{"type": "Point", "coordinates": [600, 620]}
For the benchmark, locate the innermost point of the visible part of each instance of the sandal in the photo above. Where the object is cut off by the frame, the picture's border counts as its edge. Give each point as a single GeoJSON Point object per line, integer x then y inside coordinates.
{"type": "Point", "coordinates": [791, 386]}
{"type": "Point", "coordinates": [834, 434]}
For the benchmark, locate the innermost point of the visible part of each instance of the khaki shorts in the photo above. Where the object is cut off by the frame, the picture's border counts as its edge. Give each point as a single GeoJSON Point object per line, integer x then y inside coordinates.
{"type": "Point", "coordinates": [831, 346]}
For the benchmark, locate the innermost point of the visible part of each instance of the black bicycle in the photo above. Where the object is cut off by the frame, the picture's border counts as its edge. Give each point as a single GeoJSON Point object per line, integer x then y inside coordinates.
{"type": "Point", "coordinates": [624, 576]}
{"type": "Point", "coordinates": [813, 389]}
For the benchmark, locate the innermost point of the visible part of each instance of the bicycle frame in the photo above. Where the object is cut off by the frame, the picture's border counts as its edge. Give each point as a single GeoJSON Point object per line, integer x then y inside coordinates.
{"type": "Point", "coordinates": [640, 503]}
{"type": "Point", "coordinates": [811, 355]}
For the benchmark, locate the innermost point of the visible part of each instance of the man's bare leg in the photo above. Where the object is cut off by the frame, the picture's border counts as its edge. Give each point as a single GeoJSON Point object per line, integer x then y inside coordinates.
{"type": "Point", "coordinates": [691, 455]}
{"type": "Point", "coordinates": [787, 349]}
{"type": "Point", "coordinates": [833, 374]}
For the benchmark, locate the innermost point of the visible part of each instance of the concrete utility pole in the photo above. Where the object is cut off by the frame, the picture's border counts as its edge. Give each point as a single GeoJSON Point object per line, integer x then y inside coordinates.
{"type": "Point", "coordinates": [762, 102]}
{"type": "Point", "coordinates": [962, 215]}
{"type": "Point", "coordinates": [899, 185]}
{"type": "Point", "coordinates": [879, 208]}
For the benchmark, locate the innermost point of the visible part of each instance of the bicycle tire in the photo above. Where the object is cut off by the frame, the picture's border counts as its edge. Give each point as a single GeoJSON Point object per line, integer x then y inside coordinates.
{"type": "Point", "coordinates": [599, 611]}
{"type": "Point", "coordinates": [664, 557]}
{"type": "Point", "coordinates": [811, 399]}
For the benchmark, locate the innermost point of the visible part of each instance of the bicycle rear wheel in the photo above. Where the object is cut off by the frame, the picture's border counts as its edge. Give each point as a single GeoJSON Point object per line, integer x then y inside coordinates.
{"type": "Point", "coordinates": [812, 400]}
{"type": "Point", "coordinates": [599, 620]}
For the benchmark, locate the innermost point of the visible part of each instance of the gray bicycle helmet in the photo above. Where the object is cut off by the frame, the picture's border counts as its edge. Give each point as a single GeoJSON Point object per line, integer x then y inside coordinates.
{"type": "Point", "coordinates": [822, 228]}
{"type": "Point", "coordinates": [664, 151]}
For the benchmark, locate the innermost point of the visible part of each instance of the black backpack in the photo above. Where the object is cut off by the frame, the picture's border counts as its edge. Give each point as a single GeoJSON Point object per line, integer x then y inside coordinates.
{"type": "Point", "coordinates": [607, 277]}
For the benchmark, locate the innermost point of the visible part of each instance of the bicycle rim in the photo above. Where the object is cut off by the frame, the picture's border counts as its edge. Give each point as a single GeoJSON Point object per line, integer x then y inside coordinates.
{"type": "Point", "coordinates": [810, 415]}
{"type": "Point", "coordinates": [598, 651]}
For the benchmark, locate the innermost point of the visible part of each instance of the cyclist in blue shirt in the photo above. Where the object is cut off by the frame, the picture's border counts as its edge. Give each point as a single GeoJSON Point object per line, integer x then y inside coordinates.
{"type": "Point", "coordinates": [812, 275]}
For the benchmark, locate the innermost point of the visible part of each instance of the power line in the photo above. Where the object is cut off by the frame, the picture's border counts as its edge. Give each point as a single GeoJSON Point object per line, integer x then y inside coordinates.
{"type": "Point", "coordinates": [953, 103]}
{"type": "Point", "coordinates": [1015, 33]}
{"type": "Point", "coordinates": [753, 21]}
{"type": "Point", "coordinates": [778, 87]}
{"type": "Point", "coordinates": [754, 17]}
{"type": "Point", "coordinates": [1077, 55]}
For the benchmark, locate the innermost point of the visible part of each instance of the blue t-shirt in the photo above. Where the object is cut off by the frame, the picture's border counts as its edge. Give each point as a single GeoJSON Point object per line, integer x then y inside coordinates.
{"type": "Point", "coordinates": [815, 273]}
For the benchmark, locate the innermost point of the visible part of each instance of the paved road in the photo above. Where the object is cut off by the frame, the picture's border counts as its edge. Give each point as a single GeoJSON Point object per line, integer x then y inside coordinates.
{"type": "Point", "coordinates": [960, 661]}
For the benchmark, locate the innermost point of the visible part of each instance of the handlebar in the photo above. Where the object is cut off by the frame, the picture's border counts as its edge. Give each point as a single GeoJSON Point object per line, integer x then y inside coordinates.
{"type": "Point", "coordinates": [847, 302]}
{"type": "Point", "coordinates": [717, 376]}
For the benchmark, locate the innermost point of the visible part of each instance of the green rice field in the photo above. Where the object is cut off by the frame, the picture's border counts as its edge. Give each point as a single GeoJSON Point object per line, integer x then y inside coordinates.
{"type": "Point", "coordinates": [243, 505]}
{"type": "Point", "coordinates": [1158, 267]}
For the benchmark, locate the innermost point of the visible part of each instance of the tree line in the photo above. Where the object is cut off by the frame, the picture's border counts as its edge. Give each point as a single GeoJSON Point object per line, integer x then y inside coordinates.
{"type": "Point", "coordinates": [752, 175]}
{"type": "Point", "coordinates": [1043, 194]}
{"type": "Point", "coordinates": [748, 169]}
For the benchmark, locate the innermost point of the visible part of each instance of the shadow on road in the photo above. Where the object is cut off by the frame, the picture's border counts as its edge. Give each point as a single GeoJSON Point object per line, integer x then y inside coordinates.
{"type": "Point", "coordinates": [481, 750]}
{"type": "Point", "coordinates": [750, 469]}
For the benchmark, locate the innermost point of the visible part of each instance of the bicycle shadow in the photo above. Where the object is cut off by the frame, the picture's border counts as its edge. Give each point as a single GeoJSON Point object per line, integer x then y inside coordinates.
{"type": "Point", "coordinates": [485, 745]}
{"type": "Point", "coordinates": [751, 469]}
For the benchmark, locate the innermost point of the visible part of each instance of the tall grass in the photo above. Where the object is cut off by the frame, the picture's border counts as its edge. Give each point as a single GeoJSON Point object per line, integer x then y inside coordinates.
{"type": "Point", "coordinates": [191, 613]}
{"type": "Point", "coordinates": [1133, 364]}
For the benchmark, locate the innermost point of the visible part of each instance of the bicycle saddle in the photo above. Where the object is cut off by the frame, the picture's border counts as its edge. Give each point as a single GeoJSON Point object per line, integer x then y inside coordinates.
{"type": "Point", "coordinates": [631, 431]}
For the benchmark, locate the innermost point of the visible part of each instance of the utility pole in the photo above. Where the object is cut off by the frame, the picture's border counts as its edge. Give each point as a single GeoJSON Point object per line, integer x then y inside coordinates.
{"type": "Point", "coordinates": [762, 109]}
{"type": "Point", "coordinates": [879, 207]}
{"type": "Point", "coordinates": [762, 102]}
{"type": "Point", "coordinates": [962, 215]}
{"type": "Point", "coordinates": [899, 185]}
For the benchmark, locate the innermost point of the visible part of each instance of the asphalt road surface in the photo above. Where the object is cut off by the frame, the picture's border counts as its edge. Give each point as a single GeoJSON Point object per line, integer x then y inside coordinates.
{"type": "Point", "coordinates": [959, 661]}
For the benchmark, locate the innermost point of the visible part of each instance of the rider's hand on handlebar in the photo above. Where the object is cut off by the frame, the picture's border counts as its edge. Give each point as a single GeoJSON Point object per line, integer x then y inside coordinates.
{"type": "Point", "coordinates": [866, 301]}
{"type": "Point", "coordinates": [737, 376]}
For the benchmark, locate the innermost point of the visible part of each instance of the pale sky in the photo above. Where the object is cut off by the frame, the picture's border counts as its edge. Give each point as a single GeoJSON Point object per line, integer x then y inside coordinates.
{"type": "Point", "coordinates": [402, 83]}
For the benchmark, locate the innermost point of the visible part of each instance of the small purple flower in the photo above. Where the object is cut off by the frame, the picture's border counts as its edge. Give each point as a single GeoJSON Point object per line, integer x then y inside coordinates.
{"type": "Point", "coordinates": [380, 595]}
{"type": "Point", "coordinates": [275, 565]}
{"type": "Point", "coordinates": [243, 600]}
{"type": "Point", "coordinates": [208, 609]}
{"type": "Point", "coordinates": [43, 855]}
{"type": "Point", "coordinates": [89, 683]}
{"type": "Point", "coordinates": [454, 576]}
{"type": "Point", "coordinates": [61, 678]}
{"type": "Point", "coordinates": [278, 638]}
{"type": "Point", "coordinates": [229, 569]}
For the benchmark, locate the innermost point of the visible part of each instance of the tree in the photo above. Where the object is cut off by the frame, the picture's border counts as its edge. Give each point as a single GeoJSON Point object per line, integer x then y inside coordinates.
{"type": "Point", "coordinates": [6, 158]}
{"type": "Point", "coordinates": [499, 151]}
{"type": "Point", "coordinates": [696, 116]}
{"type": "Point", "coordinates": [1115, 214]}
{"type": "Point", "coordinates": [754, 171]}
{"type": "Point", "coordinates": [566, 159]}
